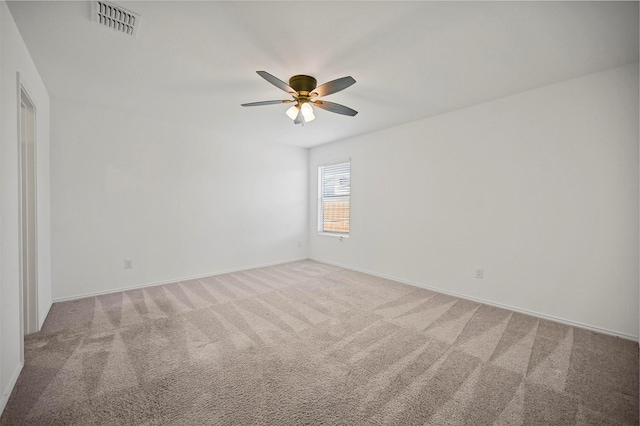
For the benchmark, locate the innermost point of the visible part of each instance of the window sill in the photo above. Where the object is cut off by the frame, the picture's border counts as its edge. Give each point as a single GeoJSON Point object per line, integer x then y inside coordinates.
{"type": "Point", "coordinates": [331, 234]}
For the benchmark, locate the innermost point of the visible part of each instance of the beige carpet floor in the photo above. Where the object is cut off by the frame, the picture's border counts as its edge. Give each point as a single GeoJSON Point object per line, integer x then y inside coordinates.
{"type": "Point", "coordinates": [310, 344]}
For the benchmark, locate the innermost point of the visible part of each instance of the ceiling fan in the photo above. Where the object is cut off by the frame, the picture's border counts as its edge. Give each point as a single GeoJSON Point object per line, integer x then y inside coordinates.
{"type": "Point", "coordinates": [305, 93]}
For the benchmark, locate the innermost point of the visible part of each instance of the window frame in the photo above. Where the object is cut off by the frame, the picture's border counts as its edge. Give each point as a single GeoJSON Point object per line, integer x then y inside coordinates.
{"type": "Point", "coordinates": [320, 226]}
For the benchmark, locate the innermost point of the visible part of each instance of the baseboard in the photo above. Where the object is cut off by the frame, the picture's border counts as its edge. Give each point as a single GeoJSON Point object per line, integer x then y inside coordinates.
{"type": "Point", "coordinates": [194, 277]}
{"type": "Point", "coordinates": [7, 391]}
{"type": "Point", "coordinates": [487, 302]}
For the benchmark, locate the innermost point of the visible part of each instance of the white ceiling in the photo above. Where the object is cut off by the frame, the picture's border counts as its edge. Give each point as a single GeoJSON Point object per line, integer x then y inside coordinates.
{"type": "Point", "coordinates": [195, 62]}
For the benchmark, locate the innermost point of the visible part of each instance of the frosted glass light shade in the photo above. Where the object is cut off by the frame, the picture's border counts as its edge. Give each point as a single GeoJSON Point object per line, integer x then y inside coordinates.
{"type": "Point", "coordinates": [306, 108]}
{"type": "Point", "coordinates": [292, 112]}
{"type": "Point", "coordinates": [307, 112]}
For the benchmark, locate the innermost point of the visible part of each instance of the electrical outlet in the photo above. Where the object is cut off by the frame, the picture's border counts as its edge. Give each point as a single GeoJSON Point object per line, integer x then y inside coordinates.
{"type": "Point", "coordinates": [128, 264]}
{"type": "Point", "coordinates": [479, 273]}
{"type": "Point", "coordinates": [299, 243]}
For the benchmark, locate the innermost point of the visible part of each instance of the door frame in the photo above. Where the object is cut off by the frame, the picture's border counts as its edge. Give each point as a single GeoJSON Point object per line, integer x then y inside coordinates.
{"type": "Point", "coordinates": [25, 300]}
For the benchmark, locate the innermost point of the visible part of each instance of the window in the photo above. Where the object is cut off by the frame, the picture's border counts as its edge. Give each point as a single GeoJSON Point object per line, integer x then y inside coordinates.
{"type": "Point", "coordinates": [334, 192]}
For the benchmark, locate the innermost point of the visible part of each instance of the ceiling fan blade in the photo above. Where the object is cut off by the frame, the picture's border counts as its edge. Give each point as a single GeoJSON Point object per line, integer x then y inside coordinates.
{"type": "Point", "coordinates": [286, 101]}
{"type": "Point", "coordinates": [277, 82]}
{"type": "Point", "coordinates": [333, 86]}
{"type": "Point", "coordinates": [333, 107]}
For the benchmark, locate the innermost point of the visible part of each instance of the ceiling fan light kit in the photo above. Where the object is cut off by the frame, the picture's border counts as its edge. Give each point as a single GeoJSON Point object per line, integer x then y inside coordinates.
{"type": "Point", "coordinates": [301, 113]}
{"type": "Point", "coordinates": [304, 90]}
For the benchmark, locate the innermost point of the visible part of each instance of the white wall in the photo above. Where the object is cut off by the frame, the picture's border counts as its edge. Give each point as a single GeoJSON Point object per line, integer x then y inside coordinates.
{"type": "Point", "coordinates": [16, 59]}
{"type": "Point", "coordinates": [180, 201]}
{"type": "Point", "coordinates": [540, 189]}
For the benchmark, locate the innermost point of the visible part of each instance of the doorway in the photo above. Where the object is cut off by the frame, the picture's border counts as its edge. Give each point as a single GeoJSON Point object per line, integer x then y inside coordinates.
{"type": "Point", "coordinates": [28, 225]}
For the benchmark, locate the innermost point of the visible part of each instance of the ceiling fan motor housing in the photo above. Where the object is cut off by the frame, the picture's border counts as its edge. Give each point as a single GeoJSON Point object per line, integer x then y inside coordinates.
{"type": "Point", "coordinates": [303, 83]}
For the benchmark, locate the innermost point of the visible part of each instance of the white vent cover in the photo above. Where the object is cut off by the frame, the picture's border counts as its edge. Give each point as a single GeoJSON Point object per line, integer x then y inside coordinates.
{"type": "Point", "coordinates": [115, 17]}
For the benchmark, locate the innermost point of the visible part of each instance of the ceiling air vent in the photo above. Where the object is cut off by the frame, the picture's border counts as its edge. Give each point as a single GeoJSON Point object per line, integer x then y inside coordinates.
{"type": "Point", "coordinates": [115, 17]}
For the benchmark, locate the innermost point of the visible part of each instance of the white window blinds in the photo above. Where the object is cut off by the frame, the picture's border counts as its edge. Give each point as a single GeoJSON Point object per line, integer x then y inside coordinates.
{"type": "Point", "coordinates": [334, 192]}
